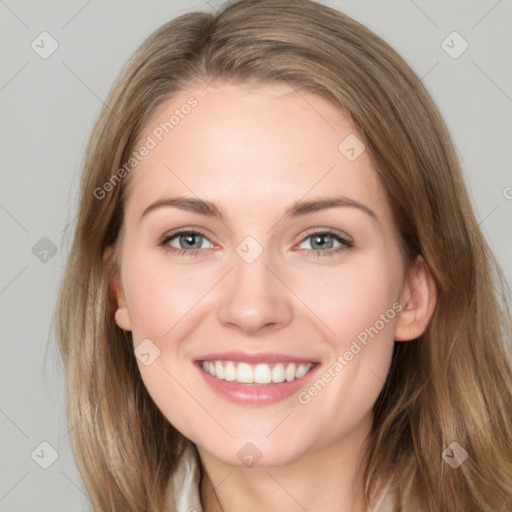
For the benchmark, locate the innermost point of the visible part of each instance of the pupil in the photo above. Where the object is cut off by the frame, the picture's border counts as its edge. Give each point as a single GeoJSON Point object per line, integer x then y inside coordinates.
{"type": "Point", "coordinates": [319, 241]}
{"type": "Point", "coordinates": [189, 240]}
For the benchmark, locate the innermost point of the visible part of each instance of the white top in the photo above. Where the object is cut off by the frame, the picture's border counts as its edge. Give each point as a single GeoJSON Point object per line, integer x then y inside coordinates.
{"type": "Point", "coordinates": [183, 490]}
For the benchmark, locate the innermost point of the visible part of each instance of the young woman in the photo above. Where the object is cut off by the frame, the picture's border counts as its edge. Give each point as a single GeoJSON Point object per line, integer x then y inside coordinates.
{"type": "Point", "coordinates": [278, 296]}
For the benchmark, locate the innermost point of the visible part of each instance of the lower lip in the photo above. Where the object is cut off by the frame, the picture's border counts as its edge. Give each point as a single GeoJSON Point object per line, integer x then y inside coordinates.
{"type": "Point", "coordinates": [256, 394]}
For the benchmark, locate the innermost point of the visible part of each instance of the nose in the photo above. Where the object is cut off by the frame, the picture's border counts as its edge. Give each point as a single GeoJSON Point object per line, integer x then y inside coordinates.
{"type": "Point", "coordinates": [253, 298]}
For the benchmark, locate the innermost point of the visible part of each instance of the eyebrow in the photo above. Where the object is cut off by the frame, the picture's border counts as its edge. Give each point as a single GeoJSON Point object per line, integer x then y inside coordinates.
{"type": "Point", "coordinates": [298, 209]}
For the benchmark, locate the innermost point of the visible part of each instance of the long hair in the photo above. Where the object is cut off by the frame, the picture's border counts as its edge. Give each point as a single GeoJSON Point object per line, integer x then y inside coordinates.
{"type": "Point", "coordinates": [451, 385]}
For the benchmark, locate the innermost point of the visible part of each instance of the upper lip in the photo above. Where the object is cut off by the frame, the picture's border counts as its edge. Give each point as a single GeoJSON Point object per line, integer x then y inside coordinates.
{"type": "Point", "coordinates": [263, 357]}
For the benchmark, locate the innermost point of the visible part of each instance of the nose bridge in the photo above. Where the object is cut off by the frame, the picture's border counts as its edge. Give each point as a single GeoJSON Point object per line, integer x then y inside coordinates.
{"type": "Point", "coordinates": [254, 297]}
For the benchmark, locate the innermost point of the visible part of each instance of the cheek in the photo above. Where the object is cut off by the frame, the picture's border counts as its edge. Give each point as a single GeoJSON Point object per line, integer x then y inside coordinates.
{"type": "Point", "coordinates": [160, 295]}
{"type": "Point", "coordinates": [163, 301]}
{"type": "Point", "coordinates": [353, 300]}
{"type": "Point", "coordinates": [358, 309]}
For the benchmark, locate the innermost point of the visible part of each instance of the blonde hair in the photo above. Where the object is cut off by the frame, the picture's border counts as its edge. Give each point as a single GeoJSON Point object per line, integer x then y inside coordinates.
{"type": "Point", "coordinates": [453, 384]}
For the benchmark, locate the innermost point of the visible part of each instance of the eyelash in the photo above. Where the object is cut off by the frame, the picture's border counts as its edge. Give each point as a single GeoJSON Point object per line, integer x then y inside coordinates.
{"type": "Point", "coordinates": [345, 243]}
{"type": "Point", "coordinates": [181, 252]}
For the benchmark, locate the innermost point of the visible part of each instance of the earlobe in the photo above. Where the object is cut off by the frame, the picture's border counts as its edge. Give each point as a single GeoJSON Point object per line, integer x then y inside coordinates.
{"type": "Point", "coordinates": [418, 298]}
{"type": "Point", "coordinates": [121, 316]}
{"type": "Point", "coordinates": [122, 319]}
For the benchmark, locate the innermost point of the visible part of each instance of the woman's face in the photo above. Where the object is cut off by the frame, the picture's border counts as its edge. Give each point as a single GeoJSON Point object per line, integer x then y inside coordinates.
{"type": "Point", "coordinates": [270, 282]}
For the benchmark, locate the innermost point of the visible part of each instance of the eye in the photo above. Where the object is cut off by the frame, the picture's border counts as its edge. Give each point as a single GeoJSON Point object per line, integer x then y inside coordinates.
{"type": "Point", "coordinates": [326, 242]}
{"type": "Point", "coordinates": [318, 243]}
{"type": "Point", "coordinates": [186, 241]}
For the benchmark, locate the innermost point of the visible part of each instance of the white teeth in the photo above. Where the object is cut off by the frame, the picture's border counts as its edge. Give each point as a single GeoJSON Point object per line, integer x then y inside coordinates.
{"type": "Point", "coordinates": [301, 371]}
{"type": "Point", "coordinates": [256, 374]}
{"type": "Point", "coordinates": [290, 372]}
{"type": "Point", "coordinates": [244, 373]}
{"type": "Point", "coordinates": [278, 373]}
{"type": "Point", "coordinates": [219, 370]}
{"type": "Point", "coordinates": [229, 371]}
{"type": "Point", "coordinates": [262, 374]}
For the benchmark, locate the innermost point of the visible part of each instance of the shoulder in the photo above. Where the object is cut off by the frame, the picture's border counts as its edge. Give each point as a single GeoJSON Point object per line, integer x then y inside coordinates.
{"type": "Point", "coordinates": [183, 490]}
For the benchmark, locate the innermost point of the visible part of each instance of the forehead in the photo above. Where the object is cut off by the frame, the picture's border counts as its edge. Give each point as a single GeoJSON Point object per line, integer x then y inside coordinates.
{"type": "Point", "coordinates": [253, 146]}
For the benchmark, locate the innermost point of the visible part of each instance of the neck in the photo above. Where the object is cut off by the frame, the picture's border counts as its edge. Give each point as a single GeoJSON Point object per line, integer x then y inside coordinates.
{"type": "Point", "coordinates": [325, 479]}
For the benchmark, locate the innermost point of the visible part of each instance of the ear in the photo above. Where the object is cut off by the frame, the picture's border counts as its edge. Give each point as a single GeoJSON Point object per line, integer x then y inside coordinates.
{"type": "Point", "coordinates": [121, 315]}
{"type": "Point", "coordinates": [418, 298]}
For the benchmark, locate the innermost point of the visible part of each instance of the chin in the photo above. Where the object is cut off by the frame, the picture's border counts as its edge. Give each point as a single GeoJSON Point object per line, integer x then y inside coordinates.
{"type": "Point", "coordinates": [254, 453]}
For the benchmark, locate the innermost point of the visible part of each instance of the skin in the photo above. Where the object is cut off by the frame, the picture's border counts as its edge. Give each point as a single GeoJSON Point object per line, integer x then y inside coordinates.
{"type": "Point", "coordinates": [255, 151]}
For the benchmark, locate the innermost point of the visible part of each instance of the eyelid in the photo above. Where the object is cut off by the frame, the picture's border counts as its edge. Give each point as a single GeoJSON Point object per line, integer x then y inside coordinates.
{"type": "Point", "coordinates": [163, 242]}
{"type": "Point", "coordinates": [187, 229]}
{"type": "Point", "coordinates": [325, 230]}
{"type": "Point", "coordinates": [304, 235]}
{"type": "Point", "coordinates": [346, 243]}
{"type": "Point", "coordinates": [345, 240]}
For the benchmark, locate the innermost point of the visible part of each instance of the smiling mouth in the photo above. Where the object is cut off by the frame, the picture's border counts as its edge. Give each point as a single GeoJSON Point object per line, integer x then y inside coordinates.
{"type": "Point", "coordinates": [259, 374]}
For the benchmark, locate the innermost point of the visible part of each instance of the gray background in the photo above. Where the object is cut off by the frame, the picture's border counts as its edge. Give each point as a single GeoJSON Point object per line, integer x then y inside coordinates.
{"type": "Point", "coordinates": [48, 107]}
